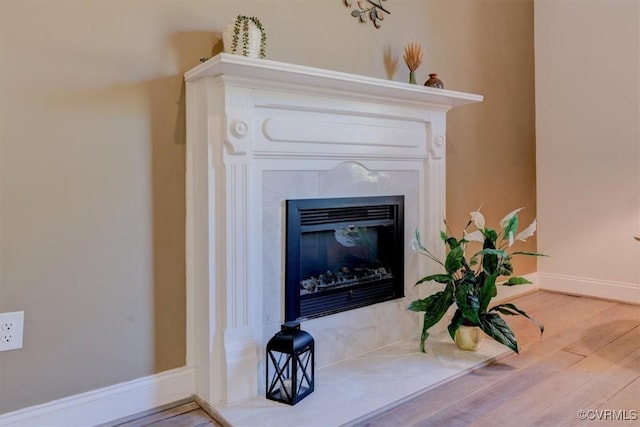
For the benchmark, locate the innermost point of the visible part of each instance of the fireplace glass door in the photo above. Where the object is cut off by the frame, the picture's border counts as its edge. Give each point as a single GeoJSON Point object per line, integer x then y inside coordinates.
{"type": "Point", "coordinates": [342, 254]}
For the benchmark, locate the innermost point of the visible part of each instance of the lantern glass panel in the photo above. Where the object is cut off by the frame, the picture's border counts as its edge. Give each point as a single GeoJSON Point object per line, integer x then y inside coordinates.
{"type": "Point", "coordinates": [304, 374]}
{"type": "Point", "coordinates": [279, 382]}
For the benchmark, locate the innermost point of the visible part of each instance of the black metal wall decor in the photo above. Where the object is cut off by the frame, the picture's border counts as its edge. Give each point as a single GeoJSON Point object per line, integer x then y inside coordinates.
{"type": "Point", "coordinates": [371, 9]}
{"type": "Point", "coordinates": [290, 365]}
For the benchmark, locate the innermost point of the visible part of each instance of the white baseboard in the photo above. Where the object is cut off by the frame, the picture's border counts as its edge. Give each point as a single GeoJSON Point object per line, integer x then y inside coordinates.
{"type": "Point", "coordinates": [108, 403]}
{"type": "Point", "coordinates": [124, 399]}
{"type": "Point", "coordinates": [615, 291]}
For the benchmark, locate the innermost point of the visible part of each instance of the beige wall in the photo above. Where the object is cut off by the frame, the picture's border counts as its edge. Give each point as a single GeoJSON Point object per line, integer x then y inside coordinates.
{"type": "Point", "coordinates": [588, 121]}
{"type": "Point", "coordinates": [486, 47]}
{"type": "Point", "coordinates": [92, 160]}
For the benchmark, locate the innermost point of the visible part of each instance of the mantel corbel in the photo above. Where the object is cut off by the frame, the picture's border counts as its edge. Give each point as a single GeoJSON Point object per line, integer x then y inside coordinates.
{"type": "Point", "coordinates": [436, 147]}
{"type": "Point", "coordinates": [237, 138]}
{"type": "Point", "coordinates": [239, 111]}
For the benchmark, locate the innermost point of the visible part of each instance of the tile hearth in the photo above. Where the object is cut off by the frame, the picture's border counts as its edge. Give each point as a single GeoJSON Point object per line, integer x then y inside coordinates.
{"type": "Point", "coordinates": [366, 384]}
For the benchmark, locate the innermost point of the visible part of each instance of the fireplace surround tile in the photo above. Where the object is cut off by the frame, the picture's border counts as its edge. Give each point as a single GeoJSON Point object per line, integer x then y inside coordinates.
{"type": "Point", "coordinates": [341, 335]}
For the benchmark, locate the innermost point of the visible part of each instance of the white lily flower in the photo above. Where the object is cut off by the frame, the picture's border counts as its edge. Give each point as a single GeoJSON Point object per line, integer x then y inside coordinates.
{"type": "Point", "coordinates": [478, 219]}
{"type": "Point", "coordinates": [527, 232]}
{"type": "Point", "coordinates": [504, 221]}
{"type": "Point", "coordinates": [476, 236]}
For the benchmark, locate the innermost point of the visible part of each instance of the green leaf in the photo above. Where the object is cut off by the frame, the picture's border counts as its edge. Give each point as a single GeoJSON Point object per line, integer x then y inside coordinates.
{"type": "Point", "coordinates": [454, 260]}
{"type": "Point", "coordinates": [419, 305]}
{"type": "Point", "coordinates": [528, 253]}
{"type": "Point", "coordinates": [432, 302]}
{"type": "Point", "coordinates": [488, 251]}
{"type": "Point", "coordinates": [511, 227]}
{"type": "Point", "coordinates": [440, 278]}
{"type": "Point", "coordinates": [443, 236]}
{"type": "Point", "coordinates": [505, 221]}
{"type": "Point", "coordinates": [494, 326]}
{"type": "Point", "coordinates": [512, 310]}
{"type": "Point", "coordinates": [467, 300]}
{"type": "Point", "coordinates": [452, 242]}
{"type": "Point", "coordinates": [491, 235]}
{"type": "Point", "coordinates": [434, 306]}
{"type": "Point", "coordinates": [517, 281]}
{"type": "Point", "coordinates": [490, 256]}
{"type": "Point", "coordinates": [455, 324]}
{"type": "Point", "coordinates": [488, 291]}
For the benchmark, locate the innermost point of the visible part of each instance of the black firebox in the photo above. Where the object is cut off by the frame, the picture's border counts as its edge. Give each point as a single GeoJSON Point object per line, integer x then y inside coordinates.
{"type": "Point", "coordinates": [342, 253]}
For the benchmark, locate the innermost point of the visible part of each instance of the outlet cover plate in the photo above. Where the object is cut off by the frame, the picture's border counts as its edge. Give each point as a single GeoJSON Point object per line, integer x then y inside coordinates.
{"type": "Point", "coordinates": [11, 330]}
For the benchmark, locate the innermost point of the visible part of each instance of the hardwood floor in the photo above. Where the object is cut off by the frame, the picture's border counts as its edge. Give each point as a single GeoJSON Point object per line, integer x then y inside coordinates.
{"type": "Point", "coordinates": [179, 414]}
{"type": "Point", "coordinates": [588, 359]}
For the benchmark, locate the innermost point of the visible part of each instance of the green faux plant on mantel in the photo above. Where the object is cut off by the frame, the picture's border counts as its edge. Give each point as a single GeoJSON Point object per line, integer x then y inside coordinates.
{"type": "Point", "coordinates": [470, 284]}
{"type": "Point", "coordinates": [241, 29]}
{"type": "Point", "coordinates": [244, 36]}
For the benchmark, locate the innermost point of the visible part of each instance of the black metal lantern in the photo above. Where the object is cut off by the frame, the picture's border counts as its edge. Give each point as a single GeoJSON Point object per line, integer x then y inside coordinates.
{"type": "Point", "coordinates": [290, 364]}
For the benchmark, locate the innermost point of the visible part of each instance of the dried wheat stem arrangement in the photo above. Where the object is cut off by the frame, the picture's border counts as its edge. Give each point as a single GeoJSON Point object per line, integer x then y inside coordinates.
{"type": "Point", "coordinates": [413, 59]}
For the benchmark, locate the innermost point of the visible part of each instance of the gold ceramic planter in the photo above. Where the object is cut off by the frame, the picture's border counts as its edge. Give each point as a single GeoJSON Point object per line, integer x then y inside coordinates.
{"type": "Point", "coordinates": [469, 338]}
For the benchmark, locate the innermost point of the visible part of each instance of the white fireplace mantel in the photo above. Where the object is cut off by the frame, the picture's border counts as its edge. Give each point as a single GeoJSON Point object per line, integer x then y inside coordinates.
{"type": "Point", "coordinates": [260, 132]}
{"type": "Point", "coordinates": [320, 79]}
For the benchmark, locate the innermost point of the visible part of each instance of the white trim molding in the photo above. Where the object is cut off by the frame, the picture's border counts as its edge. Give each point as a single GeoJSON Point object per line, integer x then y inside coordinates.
{"type": "Point", "coordinates": [108, 403]}
{"type": "Point", "coordinates": [615, 291]}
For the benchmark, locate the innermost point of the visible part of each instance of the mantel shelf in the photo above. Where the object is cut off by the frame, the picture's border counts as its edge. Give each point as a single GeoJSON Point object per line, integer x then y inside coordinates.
{"type": "Point", "coordinates": [263, 69]}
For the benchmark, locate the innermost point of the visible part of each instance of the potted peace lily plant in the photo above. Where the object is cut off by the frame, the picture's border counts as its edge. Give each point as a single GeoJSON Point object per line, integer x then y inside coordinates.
{"type": "Point", "coordinates": [471, 283]}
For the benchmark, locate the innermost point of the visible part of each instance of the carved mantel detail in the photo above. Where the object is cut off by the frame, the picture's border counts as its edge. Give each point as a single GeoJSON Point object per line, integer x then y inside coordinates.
{"type": "Point", "coordinates": [236, 137]}
{"type": "Point", "coordinates": [437, 147]}
{"type": "Point", "coordinates": [239, 128]}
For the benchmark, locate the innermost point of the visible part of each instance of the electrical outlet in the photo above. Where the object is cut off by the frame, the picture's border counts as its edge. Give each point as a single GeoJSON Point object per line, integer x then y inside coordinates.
{"type": "Point", "coordinates": [11, 330]}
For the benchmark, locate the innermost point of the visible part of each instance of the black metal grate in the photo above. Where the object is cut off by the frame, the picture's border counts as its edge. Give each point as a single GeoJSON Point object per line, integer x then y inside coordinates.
{"type": "Point", "coordinates": [346, 299]}
{"type": "Point", "coordinates": [333, 215]}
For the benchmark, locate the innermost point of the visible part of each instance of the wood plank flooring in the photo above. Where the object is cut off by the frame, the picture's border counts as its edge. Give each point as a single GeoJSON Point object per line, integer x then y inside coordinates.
{"type": "Point", "coordinates": [588, 359]}
{"type": "Point", "coordinates": [179, 414]}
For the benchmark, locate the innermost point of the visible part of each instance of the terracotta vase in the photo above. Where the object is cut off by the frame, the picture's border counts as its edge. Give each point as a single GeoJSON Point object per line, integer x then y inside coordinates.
{"type": "Point", "coordinates": [434, 81]}
{"type": "Point", "coordinates": [469, 338]}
